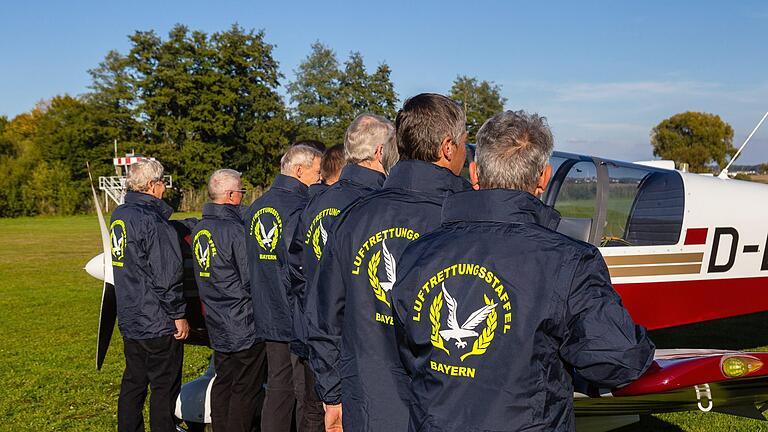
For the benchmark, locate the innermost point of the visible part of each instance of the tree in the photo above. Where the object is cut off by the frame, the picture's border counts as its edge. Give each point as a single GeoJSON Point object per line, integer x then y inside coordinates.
{"type": "Point", "coordinates": [202, 101]}
{"type": "Point", "coordinates": [481, 100]}
{"type": "Point", "coordinates": [699, 139]}
{"type": "Point", "coordinates": [327, 99]}
{"type": "Point", "coordinates": [314, 92]}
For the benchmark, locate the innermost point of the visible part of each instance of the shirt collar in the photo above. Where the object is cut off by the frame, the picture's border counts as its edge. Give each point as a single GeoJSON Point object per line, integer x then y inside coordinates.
{"type": "Point", "coordinates": [499, 205]}
{"type": "Point", "coordinates": [361, 175]}
{"type": "Point", "coordinates": [290, 184]}
{"type": "Point", "coordinates": [425, 177]}
{"type": "Point", "coordinates": [142, 198]}
{"type": "Point", "coordinates": [223, 211]}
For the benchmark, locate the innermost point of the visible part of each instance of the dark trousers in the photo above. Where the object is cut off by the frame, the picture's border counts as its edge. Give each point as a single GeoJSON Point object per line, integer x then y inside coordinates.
{"type": "Point", "coordinates": [313, 416]}
{"type": "Point", "coordinates": [239, 378]}
{"type": "Point", "coordinates": [285, 388]}
{"type": "Point", "coordinates": [155, 362]}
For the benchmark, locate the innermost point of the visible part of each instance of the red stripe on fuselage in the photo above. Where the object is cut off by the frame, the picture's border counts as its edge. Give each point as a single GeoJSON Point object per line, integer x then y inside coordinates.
{"type": "Point", "coordinates": [658, 305]}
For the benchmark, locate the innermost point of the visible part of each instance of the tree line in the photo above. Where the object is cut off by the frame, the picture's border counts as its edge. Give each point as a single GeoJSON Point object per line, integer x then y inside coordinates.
{"type": "Point", "coordinates": [196, 102]}
{"type": "Point", "coordinates": [199, 101]}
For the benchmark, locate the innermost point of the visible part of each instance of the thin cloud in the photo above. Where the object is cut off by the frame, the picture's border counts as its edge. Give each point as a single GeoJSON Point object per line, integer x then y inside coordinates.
{"type": "Point", "coordinates": [632, 90]}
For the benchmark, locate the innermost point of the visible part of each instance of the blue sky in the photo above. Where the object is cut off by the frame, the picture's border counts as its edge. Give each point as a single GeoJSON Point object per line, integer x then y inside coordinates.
{"type": "Point", "coordinates": [604, 73]}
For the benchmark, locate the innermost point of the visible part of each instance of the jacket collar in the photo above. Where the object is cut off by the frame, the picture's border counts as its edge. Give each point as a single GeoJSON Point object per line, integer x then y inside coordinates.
{"type": "Point", "coordinates": [425, 177]}
{"type": "Point", "coordinates": [160, 206]}
{"type": "Point", "coordinates": [499, 205]}
{"type": "Point", "coordinates": [289, 184]}
{"type": "Point", "coordinates": [355, 173]}
{"type": "Point", "coordinates": [222, 211]}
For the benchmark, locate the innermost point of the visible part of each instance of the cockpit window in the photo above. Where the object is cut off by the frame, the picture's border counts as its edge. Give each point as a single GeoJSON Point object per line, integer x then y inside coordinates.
{"type": "Point", "coordinates": [616, 204]}
{"type": "Point", "coordinates": [644, 208]}
{"type": "Point", "coordinates": [578, 192]}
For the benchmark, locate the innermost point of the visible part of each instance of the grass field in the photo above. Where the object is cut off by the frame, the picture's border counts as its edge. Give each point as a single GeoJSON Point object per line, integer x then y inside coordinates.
{"type": "Point", "coordinates": [49, 312]}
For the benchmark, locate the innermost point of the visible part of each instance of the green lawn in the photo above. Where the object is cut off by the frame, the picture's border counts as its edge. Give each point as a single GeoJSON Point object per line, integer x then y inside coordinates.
{"type": "Point", "coordinates": [48, 318]}
{"type": "Point", "coordinates": [49, 310]}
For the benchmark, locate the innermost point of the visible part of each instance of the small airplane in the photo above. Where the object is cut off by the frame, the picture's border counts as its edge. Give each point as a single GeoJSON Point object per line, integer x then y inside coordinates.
{"type": "Point", "coordinates": [680, 248]}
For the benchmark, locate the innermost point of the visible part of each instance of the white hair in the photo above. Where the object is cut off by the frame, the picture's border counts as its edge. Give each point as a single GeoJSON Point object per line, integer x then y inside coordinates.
{"type": "Point", "coordinates": [142, 174]}
{"type": "Point", "coordinates": [513, 147]}
{"type": "Point", "coordinates": [222, 181]}
{"type": "Point", "coordinates": [298, 155]}
{"type": "Point", "coordinates": [366, 132]}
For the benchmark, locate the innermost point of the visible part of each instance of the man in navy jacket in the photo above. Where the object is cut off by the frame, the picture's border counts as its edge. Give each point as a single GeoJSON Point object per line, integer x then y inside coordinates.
{"type": "Point", "coordinates": [351, 338]}
{"type": "Point", "coordinates": [270, 224]}
{"type": "Point", "coordinates": [495, 311]}
{"type": "Point", "coordinates": [221, 271]}
{"type": "Point", "coordinates": [147, 263]}
{"type": "Point", "coordinates": [364, 143]}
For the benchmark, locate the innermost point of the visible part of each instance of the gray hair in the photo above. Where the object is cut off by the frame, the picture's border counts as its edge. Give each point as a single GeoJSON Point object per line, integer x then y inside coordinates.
{"type": "Point", "coordinates": [366, 132]}
{"type": "Point", "coordinates": [513, 147]}
{"type": "Point", "coordinates": [222, 181]}
{"type": "Point", "coordinates": [142, 174]}
{"type": "Point", "coordinates": [424, 122]}
{"type": "Point", "coordinates": [298, 155]}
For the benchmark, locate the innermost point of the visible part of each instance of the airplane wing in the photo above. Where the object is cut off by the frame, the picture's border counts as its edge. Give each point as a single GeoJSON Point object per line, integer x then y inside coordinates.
{"type": "Point", "coordinates": [729, 382]}
{"type": "Point", "coordinates": [453, 324]}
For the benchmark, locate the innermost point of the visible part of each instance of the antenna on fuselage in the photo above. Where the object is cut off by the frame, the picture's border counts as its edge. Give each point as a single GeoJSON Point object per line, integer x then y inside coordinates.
{"type": "Point", "coordinates": [724, 173]}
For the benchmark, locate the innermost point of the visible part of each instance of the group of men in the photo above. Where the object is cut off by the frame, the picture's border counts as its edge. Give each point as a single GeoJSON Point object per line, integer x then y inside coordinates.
{"type": "Point", "coordinates": [393, 296]}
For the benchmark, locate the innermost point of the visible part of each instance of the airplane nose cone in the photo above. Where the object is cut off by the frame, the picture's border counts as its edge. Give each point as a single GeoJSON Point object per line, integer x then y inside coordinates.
{"type": "Point", "coordinates": [95, 267]}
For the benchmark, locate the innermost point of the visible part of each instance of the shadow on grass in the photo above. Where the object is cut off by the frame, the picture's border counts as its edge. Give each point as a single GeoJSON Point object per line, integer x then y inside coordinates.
{"type": "Point", "coordinates": [737, 333]}
{"type": "Point", "coordinates": [649, 423]}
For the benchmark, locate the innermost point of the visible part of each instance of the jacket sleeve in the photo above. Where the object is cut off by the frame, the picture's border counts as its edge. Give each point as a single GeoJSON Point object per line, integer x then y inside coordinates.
{"type": "Point", "coordinates": [601, 341]}
{"type": "Point", "coordinates": [296, 264]}
{"type": "Point", "coordinates": [325, 316]}
{"type": "Point", "coordinates": [240, 259]}
{"type": "Point", "coordinates": [166, 269]}
{"type": "Point", "coordinates": [283, 258]}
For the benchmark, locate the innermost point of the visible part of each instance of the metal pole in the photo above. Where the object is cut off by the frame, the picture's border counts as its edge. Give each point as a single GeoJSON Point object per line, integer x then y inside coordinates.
{"type": "Point", "coordinates": [724, 172]}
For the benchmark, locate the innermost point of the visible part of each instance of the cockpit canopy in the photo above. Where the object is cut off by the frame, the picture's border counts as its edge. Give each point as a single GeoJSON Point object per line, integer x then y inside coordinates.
{"type": "Point", "coordinates": [610, 203]}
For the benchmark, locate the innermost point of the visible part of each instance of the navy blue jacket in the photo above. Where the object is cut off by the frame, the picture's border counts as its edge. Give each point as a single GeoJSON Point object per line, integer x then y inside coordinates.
{"type": "Point", "coordinates": [316, 188]}
{"type": "Point", "coordinates": [495, 311]}
{"type": "Point", "coordinates": [312, 232]}
{"type": "Point", "coordinates": [351, 337]}
{"type": "Point", "coordinates": [148, 268]}
{"type": "Point", "coordinates": [270, 224]}
{"type": "Point", "coordinates": [221, 271]}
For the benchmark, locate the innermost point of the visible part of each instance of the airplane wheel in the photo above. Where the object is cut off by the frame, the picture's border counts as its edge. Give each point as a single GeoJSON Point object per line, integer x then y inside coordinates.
{"type": "Point", "coordinates": [199, 427]}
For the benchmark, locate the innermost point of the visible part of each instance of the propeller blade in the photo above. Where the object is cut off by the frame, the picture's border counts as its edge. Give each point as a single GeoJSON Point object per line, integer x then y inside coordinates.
{"type": "Point", "coordinates": [108, 276]}
{"type": "Point", "coordinates": [108, 311]}
{"type": "Point", "coordinates": [107, 319]}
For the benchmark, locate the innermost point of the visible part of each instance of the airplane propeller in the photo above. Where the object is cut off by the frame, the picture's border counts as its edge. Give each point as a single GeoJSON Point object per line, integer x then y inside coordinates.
{"type": "Point", "coordinates": [108, 312]}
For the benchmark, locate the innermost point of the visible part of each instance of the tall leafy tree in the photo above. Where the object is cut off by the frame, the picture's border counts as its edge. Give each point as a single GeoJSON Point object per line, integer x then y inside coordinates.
{"type": "Point", "coordinates": [480, 99]}
{"type": "Point", "coordinates": [382, 92]}
{"type": "Point", "coordinates": [328, 98]}
{"type": "Point", "coordinates": [699, 139]}
{"type": "Point", "coordinates": [203, 101]}
{"type": "Point", "coordinates": [314, 93]}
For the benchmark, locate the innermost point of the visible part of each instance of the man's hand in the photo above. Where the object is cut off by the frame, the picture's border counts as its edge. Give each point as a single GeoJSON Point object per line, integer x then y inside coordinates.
{"type": "Point", "coordinates": [332, 418]}
{"type": "Point", "coordinates": [182, 329]}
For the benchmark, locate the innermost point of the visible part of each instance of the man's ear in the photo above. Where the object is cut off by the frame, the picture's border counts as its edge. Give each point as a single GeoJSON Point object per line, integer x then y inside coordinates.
{"type": "Point", "coordinates": [448, 148]}
{"type": "Point", "coordinates": [299, 171]}
{"type": "Point", "coordinates": [379, 153]}
{"type": "Point", "coordinates": [473, 175]}
{"type": "Point", "coordinates": [544, 178]}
